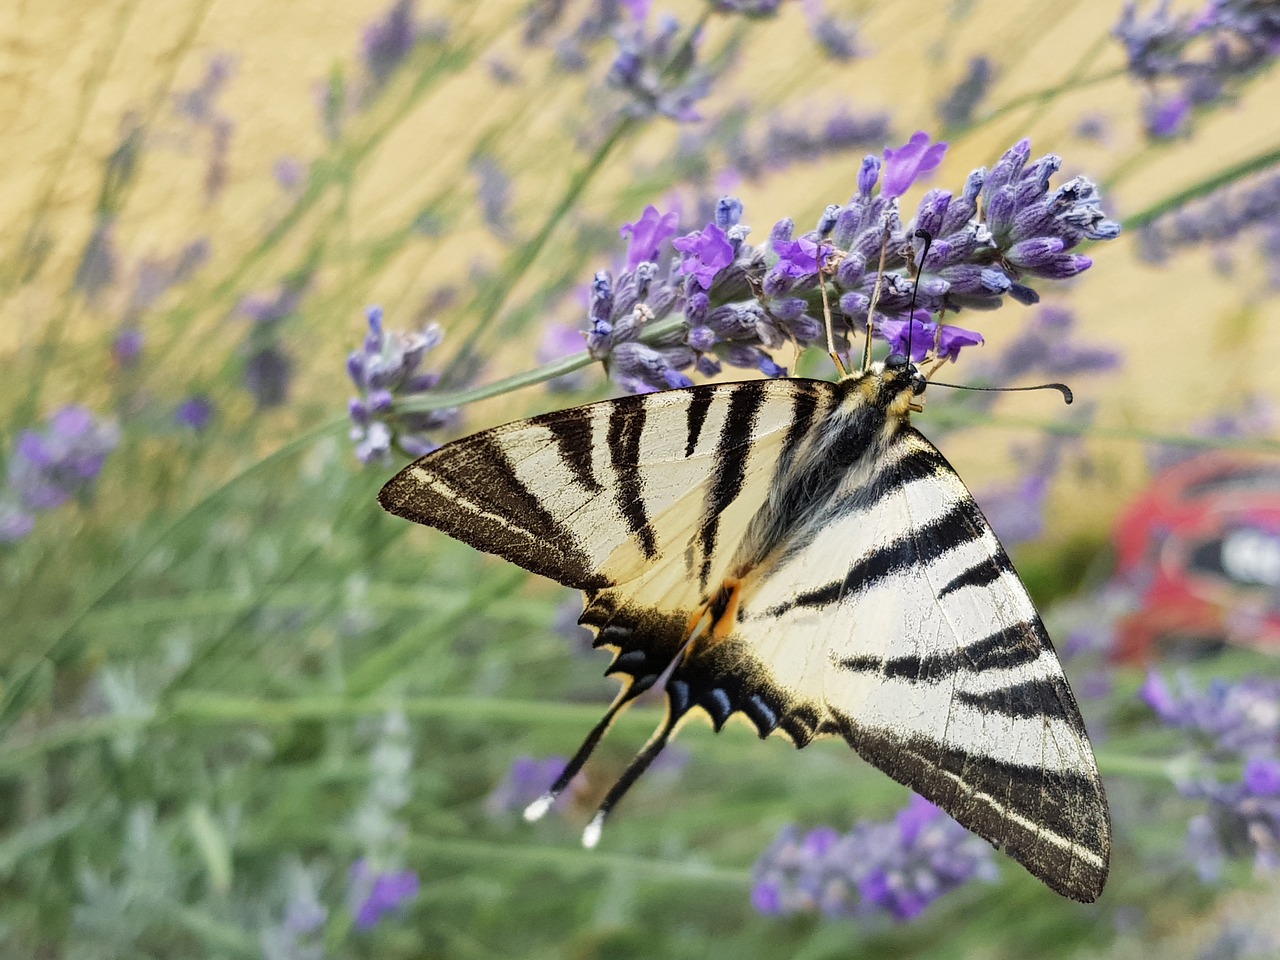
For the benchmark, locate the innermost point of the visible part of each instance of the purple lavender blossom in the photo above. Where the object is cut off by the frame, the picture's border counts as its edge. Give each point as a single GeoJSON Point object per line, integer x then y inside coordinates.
{"type": "Point", "coordinates": [126, 348]}
{"type": "Point", "coordinates": [377, 893]}
{"type": "Point", "coordinates": [199, 104]}
{"type": "Point", "coordinates": [958, 107]}
{"type": "Point", "coordinates": [526, 780]}
{"type": "Point", "coordinates": [51, 466]}
{"type": "Point", "coordinates": [737, 301]}
{"type": "Point", "coordinates": [389, 40]}
{"type": "Point", "coordinates": [1166, 117]}
{"type": "Point", "coordinates": [494, 193]}
{"type": "Point", "coordinates": [905, 165]}
{"type": "Point", "coordinates": [15, 522]}
{"type": "Point", "coordinates": [897, 868]}
{"type": "Point", "coordinates": [1242, 821]}
{"type": "Point", "coordinates": [658, 73]}
{"type": "Point", "coordinates": [288, 172]}
{"type": "Point", "coordinates": [837, 38]}
{"type": "Point", "coordinates": [272, 308]}
{"type": "Point", "coordinates": [268, 373]}
{"type": "Point", "coordinates": [1046, 347]}
{"type": "Point", "coordinates": [1222, 216]}
{"type": "Point", "coordinates": [706, 253]}
{"type": "Point", "coordinates": [1186, 61]}
{"type": "Point", "coordinates": [196, 412]}
{"type": "Point", "coordinates": [648, 234]}
{"type": "Point", "coordinates": [1016, 509]}
{"type": "Point", "coordinates": [386, 369]}
{"type": "Point", "coordinates": [924, 337]}
{"type": "Point", "coordinates": [1241, 717]}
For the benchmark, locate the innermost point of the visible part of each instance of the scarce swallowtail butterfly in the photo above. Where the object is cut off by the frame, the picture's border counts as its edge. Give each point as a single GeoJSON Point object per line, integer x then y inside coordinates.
{"type": "Point", "coordinates": [793, 551]}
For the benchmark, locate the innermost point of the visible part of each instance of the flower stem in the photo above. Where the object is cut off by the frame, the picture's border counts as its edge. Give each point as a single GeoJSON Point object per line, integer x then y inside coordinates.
{"type": "Point", "coordinates": [1217, 181]}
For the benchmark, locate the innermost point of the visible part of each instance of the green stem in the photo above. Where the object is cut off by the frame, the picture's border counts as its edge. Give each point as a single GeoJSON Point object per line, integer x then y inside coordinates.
{"type": "Point", "coordinates": [1217, 181]}
{"type": "Point", "coordinates": [64, 631]}
{"type": "Point", "coordinates": [492, 299]}
{"type": "Point", "coordinates": [425, 403]}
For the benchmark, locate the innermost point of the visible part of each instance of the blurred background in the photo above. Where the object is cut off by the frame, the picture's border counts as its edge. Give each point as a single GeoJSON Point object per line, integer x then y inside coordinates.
{"type": "Point", "coordinates": [244, 713]}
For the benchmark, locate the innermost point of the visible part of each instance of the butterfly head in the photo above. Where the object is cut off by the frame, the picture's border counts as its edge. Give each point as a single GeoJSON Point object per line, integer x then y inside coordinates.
{"type": "Point", "coordinates": [900, 373]}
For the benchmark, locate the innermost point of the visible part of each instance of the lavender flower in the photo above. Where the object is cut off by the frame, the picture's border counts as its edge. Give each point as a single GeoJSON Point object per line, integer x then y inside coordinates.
{"type": "Point", "coordinates": [377, 893]}
{"type": "Point", "coordinates": [658, 73]}
{"type": "Point", "coordinates": [195, 412]}
{"type": "Point", "coordinates": [126, 348]}
{"type": "Point", "coordinates": [737, 302]}
{"type": "Point", "coordinates": [49, 467]}
{"type": "Point", "coordinates": [15, 522]}
{"type": "Point", "coordinates": [199, 104]}
{"type": "Point", "coordinates": [494, 193]}
{"type": "Point", "coordinates": [837, 38]}
{"type": "Point", "coordinates": [527, 779]}
{"type": "Point", "coordinates": [1186, 61]}
{"type": "Point", "coordinates": [1016, 509]}
{"type": "Point", "coordinates": [388, 40]}
{"type": "Point", "coordinates": [298, 935]}
{"type": "Point", "coordinates": [288, 172]}
{"type": "Point", "coordinates": [897, 868]}
{"type": "Point", "coordinates": [268, 372]}
{"type": "Point", "coordinates": [648, 234]}
{"type": "Point", "coordinates": [1242, 717]}
{"type": "Point", "coordinates": [1225, 215]}
{"type": "Point", "coordinates": [957, 109]}
{"type": "Point", "coordinates": [1242, 820]}
{"type": "Point", "coordinates": [384, 369]}
{"type": "Point", "coordinates": [1045, 347]}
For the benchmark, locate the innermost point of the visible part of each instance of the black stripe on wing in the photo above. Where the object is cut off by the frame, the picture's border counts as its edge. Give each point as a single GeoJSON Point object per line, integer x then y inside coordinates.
{"type": "Point", "coordinates": [911, 549]}
{"type": "Point", "coordinates": [1013, 646]}
{"type": "Point", "coordinates": [443, 490]}
{"type": "Point", "coordinates": [626, 426]}
{"type": "Point", "coordinates": [730, 469]}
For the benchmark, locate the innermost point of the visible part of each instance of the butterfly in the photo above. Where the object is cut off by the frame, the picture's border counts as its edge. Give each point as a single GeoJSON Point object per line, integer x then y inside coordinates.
{"type": "Point", "coordinates": [793, 551]}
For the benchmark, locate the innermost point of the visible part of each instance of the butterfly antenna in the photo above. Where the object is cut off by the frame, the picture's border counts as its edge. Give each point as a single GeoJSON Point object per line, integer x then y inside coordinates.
{"type": "Point", "coordinates": [875, 296]}
{"type": "Point", "coordinates": [826, 316]}
{"type": "Point", "coordinates": [538, 809]}
{"type": "Point", "coordinates": [638, 765]}
{"type": "Point", "coordinates": [1062, 388]}
{"type": "Point", "coordinates": [927, 237]}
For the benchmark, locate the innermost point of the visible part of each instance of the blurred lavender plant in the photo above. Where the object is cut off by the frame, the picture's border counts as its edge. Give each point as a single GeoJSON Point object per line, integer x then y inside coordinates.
{"type": "Point", "coordinates": [1230, 214]}
{"type": "Point", "coordinates": [51, 466]}
{"type": "Point", "coordinates": [657, 71]}
{"type": "Point", "coordinates": [377, 884]}
{"type": "Point", "coordinates": [896, 868]}
{"type": "Point", "coordinates": [385, 368]}
{"type": "Point", "coordinates": [1231, 721]}
{"type": "Point", "coordinates": [1188, 61]}
{"type": "Point", "coordinates": [956, 109]}
{"type": "Point", "coordinates": [299, 933]}
{"type": "Point", "coordinates": [526, 780]}
{"type": "Point", "coordinates": [838, 39]}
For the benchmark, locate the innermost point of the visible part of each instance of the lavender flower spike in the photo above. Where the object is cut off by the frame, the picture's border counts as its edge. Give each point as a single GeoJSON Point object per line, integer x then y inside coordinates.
{"type": "Point", "coordinates": [375, 894]}
{"type": "Point", "coordinates": [383, 370]}
{"type": "Point", "coordinates": [906, 164]}
{"type": "Point", "coordinates": [898, 868]}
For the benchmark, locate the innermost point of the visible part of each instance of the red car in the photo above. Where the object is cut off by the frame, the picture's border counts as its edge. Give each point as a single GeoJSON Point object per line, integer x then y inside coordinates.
{"type": "Point", "coordinates": [1201, 547]}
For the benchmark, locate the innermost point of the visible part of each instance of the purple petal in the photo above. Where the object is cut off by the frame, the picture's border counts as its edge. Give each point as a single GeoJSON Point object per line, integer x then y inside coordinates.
{"type": "Point", "coordinates": [906, 164]}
